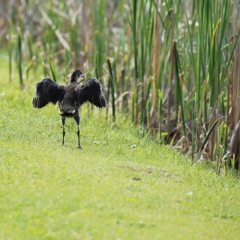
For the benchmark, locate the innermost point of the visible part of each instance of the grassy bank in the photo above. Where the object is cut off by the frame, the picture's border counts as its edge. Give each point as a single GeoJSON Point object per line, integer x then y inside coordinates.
{"type": "Point", "coordinates": [175, 70]}
{"type": "Point", "coordinates": [109, 190]}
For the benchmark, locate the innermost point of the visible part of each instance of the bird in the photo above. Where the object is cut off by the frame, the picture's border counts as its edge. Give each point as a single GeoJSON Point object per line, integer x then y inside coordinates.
{"type": "Point", "coordinates": [70, 97]}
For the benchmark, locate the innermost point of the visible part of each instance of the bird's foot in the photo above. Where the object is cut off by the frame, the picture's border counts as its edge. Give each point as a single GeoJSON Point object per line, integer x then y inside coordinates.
{"type": "Point", "coordinates": [79, 147]}
{"type": "Point", "coordinates": [63, 145]}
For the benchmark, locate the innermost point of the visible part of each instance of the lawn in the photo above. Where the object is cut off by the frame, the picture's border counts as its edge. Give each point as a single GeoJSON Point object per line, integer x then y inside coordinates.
{"type": "Point", "coordinates": [110, 190]}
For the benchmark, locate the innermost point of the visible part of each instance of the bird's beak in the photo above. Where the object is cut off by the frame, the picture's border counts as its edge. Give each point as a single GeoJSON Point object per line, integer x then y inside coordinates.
{"type": "Point", "coordinates": [81, 78]}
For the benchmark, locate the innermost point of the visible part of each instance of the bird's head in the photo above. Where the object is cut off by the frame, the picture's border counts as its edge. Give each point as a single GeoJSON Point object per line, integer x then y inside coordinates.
{"type": "Point", "coordinates": [76, 75]}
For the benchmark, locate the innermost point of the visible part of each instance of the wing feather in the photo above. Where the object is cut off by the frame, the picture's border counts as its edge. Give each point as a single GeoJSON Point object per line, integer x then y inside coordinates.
{"type": "Point", "coordinates": [91, 91]}
{"type": "Point", "coordinates": [47, 91]}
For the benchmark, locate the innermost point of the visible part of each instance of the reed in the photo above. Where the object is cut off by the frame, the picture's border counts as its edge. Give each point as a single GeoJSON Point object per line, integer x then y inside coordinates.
{"type": "Point", "coordinates": [10, 56]}
{"type": "Point", "coordinates": [206, 138]}
{"type": "Point", "coordinates": [19, 57]}
{"type": "Point", "coordinates": [236, 67]}
{"type": "Point", "coordinates": [160, 110]}
{"type": "Point", "coordinates": [179, 86]}
{"type": "Point", "coordinates": [52, 68]}
{"type": "Point", "coordinates": [98, 35]}
{"type": "Point", "coordinates": [111, 84]}
{"type": "Point", "coordinates": [134, 29]}
{"type": "Point", "coordinates": [210, 66]}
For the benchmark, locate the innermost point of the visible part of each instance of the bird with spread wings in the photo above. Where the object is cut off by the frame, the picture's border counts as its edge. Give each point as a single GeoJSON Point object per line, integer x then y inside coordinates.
{"type": "Point", "coordinates": [69, 97]}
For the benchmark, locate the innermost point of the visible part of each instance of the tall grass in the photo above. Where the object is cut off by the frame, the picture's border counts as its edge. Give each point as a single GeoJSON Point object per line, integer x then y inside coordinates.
{"type": "Point", "coordinates": [112, 79]}
{"type": "Point", "coordinates": [19, 57]}
{"type": "Point", "coordinates": [170, 66]}
{"type": "Point", "coordinates": [10, 51]}
{"type": "Point", "coordinates": [236, 67]}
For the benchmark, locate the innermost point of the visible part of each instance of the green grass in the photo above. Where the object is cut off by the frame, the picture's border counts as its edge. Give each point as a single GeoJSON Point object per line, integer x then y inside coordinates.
{"type": "Point", "coordinates": [107, 190]}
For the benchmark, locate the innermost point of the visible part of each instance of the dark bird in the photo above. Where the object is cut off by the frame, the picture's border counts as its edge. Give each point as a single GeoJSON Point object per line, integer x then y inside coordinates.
{"type": "Point", "coordinates": [70, 97]}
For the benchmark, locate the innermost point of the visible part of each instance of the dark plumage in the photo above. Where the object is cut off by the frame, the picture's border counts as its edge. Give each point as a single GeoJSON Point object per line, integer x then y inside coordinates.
{"type": "Point", "coordinates": [69, 97]}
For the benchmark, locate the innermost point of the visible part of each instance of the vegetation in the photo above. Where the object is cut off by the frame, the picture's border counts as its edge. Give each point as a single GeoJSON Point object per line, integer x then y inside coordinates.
{"type": "Point", "coordinates": [170, 74]}
{"type": "Point", "coordinates": [169, 66]}
{"type": "Point", "coordinates": [109, 190]}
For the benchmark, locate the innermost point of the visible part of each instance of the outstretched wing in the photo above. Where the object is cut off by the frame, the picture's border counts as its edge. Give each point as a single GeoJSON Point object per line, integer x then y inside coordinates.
{"type": "Point", "coordinates": [47, 91]}
{"type": "Point", "coordinates": [91, 91]}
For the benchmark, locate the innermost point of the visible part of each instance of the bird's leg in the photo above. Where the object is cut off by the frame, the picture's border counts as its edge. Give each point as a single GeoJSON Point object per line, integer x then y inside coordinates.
{"type": "Point", "coordinates": [78, 133]}
{"type": "Point", "coordinates": [63, 123]}
{"type": "Point", "coordinates": [77, 120]}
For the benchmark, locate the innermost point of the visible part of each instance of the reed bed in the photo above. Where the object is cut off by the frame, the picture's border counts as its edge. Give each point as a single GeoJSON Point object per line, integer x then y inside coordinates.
{"type": "Point", "coordinates": [172, 66]}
